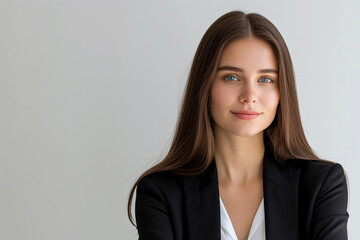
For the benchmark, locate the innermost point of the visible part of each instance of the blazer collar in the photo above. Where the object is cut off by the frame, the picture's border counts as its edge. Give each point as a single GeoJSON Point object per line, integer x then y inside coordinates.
{"type": "Point", "coordinates": [280, 184]}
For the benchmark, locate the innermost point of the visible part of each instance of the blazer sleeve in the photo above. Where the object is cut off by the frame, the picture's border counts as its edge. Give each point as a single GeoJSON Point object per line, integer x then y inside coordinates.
{"type": "Point", "coordinates": [151, 212]}
{"type": "Point", "coordinates": [330, 210]}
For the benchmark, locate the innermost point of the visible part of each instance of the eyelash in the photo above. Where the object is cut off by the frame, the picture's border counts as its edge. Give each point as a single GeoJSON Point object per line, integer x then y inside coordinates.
{"type": "Point", "coordinates": [231, 75]}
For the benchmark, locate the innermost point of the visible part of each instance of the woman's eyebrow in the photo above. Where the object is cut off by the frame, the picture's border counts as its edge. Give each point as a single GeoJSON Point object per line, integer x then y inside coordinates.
{"type": "Point", "coordinates": [236, 69]}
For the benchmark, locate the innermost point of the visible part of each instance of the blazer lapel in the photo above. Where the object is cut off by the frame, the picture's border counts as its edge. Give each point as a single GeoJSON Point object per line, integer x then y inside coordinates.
{"type": "Point", "coordinates": [202, 205]}
{"type": "Point", "coordinates": [280, 185]}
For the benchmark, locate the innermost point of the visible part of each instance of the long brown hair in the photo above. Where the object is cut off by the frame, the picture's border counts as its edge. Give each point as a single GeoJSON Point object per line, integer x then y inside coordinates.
{"type": "Point", "coordinates": [192, 148]}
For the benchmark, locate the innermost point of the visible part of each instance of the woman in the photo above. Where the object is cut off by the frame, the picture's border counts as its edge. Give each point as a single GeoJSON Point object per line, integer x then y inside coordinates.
{"type": "Point", "coordinates": [239, 166]}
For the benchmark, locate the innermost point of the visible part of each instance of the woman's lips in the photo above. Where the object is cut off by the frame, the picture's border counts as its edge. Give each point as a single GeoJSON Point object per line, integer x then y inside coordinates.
{"type": "Point", "coordinates": [246, 115]}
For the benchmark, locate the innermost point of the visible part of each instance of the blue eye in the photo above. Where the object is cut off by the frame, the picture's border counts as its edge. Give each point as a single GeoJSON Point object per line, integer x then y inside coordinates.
{"type": "Point", "coordinates": [267, 80]}
{"type": "Point", "coordinates": [231, 78]}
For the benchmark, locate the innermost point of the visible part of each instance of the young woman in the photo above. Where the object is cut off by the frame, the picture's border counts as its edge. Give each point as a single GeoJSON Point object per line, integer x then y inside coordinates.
{"type": "Point", "coordinates": [239, 166]}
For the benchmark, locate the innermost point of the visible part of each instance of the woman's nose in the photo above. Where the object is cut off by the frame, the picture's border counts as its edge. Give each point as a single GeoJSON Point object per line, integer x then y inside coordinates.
{"type": "Point", "coordinates": [248, 94]}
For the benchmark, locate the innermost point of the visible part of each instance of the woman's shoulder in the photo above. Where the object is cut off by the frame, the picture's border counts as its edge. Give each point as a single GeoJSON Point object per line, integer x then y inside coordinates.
{"type": "Point", "coordinates": [172, 177]}
{"type": "Point", "coordinates": [174, 184]}
{"type": "Point", "coordinates": [161, 177]}
{"type": "Point", "coordinates": [167, 176]}
{"type": "Point", "coordinates": [163, 181]}
{"type": "Point", "coordinates": [319, 172]}
{"type": "Point", "coordinates": [314, 166]}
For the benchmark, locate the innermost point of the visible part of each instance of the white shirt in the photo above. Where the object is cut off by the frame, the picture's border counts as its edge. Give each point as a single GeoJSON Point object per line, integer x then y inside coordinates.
{"type": "Point", "coordinates": [257, 230]}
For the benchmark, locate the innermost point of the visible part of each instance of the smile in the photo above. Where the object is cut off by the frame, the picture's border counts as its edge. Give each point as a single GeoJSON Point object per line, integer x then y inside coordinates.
{"type": "Point", "coordinates": [244, 116]}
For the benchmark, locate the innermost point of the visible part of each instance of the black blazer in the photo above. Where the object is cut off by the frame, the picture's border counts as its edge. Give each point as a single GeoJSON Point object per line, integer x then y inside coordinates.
{"type": "Point", "coordinates": [304, 199]}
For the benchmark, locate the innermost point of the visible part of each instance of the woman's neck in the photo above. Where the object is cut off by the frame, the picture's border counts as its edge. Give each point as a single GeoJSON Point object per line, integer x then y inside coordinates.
{"type": "Point", "coordinates": [239, 160]}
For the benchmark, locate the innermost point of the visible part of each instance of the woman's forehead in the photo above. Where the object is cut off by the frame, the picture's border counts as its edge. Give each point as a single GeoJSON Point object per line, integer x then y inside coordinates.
{"type": "Point", "coordinates": [249, 54]}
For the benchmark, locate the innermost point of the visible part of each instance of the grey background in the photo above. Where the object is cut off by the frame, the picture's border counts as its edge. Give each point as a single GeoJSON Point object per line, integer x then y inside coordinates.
{"type": "Point", "coordinates": [90, 92]}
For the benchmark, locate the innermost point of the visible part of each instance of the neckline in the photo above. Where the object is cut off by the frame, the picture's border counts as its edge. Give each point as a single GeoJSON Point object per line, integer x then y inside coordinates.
{"type": "Point", "coordinates": [259, 216]}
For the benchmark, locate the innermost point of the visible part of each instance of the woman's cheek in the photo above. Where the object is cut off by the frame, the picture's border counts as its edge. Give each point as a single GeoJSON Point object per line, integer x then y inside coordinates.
{"type": "Point", "coordinates": [220, 95]}
{"type": "Point", "coordinates": [271, 96]}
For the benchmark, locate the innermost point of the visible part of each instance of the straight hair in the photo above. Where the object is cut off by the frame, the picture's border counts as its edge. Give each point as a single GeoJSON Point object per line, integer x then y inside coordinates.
{"type": "Point", "coordinates": [192, 148]}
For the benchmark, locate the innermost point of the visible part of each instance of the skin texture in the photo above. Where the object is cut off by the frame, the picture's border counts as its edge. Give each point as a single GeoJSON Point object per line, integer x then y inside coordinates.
{"type": "Point", "coordinates": [234, 91]}
{"type": "Point", "coordinates": [239, 147]}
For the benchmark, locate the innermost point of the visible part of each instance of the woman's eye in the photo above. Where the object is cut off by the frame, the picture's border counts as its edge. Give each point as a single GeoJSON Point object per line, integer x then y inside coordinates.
{"type": "Point", "coordinates": [231, 78]}
{"type": "Point", "coordinates": [266, 80]}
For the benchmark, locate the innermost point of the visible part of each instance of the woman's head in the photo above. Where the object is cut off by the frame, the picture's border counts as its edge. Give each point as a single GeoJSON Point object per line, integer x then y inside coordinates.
{"type": "Point", "coordinates": [196, 124]}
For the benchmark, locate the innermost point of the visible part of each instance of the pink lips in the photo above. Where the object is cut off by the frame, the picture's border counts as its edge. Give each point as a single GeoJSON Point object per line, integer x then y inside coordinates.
{"type": "Point", "coordinates": [246, 115]}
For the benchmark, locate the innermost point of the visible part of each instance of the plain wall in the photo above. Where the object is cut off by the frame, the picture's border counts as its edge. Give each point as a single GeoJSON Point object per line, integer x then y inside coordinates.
{"type": "Point", "coordinates": [90, 93]}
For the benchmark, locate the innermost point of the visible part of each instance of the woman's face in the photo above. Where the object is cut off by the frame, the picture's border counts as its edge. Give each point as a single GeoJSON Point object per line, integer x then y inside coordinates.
{"type": "Point", "coordinates": [245, 93]}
